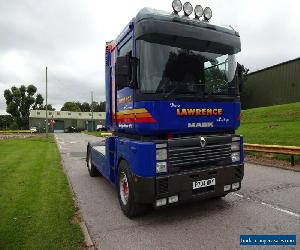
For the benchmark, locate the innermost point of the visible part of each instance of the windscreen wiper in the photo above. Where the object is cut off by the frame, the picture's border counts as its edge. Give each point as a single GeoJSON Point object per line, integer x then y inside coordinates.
{"type": "Point", "coordinates": [171, 92]}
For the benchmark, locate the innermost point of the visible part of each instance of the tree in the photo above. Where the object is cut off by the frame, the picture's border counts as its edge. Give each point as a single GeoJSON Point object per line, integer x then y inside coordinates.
{"type": "Point", "coordinates": [98, 107]}
{"type": "Point", "coordinates": [242, 74]}
{"type": "Point", "coordinates": [43, 107]}
{"type": "Point", "coordinates": [102, 107]}
{"type": "Point", "coordinates": [19, 101]}
{"type": "Point", "coordinates": [38, 102]}
{"type": "Point", "coordinates": [71, 106]}
{"type": "Point", "coordinates": [84, 107]}
{"type": "Point", "coordinates": [6, 122]}
{"type": "Point", "coordinates": [95, 107]}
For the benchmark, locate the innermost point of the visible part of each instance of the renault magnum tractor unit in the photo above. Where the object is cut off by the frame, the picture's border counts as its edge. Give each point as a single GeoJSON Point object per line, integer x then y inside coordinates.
{"type": "Point", "coordinates": [173, 106]}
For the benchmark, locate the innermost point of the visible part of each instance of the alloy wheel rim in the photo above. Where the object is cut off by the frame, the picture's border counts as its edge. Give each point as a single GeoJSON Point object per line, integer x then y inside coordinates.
{"type": "Point", "coordinates": [124, 188]}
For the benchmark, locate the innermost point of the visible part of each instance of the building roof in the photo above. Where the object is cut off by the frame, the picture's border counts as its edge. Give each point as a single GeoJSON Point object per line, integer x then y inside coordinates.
{"type": "Point", "coordinates": [275, 65]}
{"type": "Point", "coordinates": [67, 115]}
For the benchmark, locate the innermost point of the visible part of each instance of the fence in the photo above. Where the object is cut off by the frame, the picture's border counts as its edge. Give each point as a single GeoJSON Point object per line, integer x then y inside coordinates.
{"type": "Point", "coordinates": [275, 149]}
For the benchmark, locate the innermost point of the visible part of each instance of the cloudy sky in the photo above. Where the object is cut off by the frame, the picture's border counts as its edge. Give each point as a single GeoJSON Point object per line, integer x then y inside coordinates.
{"type": "Point", "coordinates": [69, 37]}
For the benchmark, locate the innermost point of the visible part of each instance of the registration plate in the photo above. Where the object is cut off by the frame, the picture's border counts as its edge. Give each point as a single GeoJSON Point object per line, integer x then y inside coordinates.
{"type": "Point", "coordinates": [204, 183]}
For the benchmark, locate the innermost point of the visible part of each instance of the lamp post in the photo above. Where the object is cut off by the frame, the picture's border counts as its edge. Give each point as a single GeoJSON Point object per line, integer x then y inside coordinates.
{"type": "Point", "coordinates": [92, 98]}
{"type": "Point", "coordinates": [46, 101]}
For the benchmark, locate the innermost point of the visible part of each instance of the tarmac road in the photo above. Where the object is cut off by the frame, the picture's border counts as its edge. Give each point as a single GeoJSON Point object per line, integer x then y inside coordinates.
{"type": "Point", "coordinates": [268, 203]}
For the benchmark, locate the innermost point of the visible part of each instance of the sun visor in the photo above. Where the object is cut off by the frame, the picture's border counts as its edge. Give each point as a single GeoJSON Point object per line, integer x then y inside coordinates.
{"type": "Point", "coordinates": [187, 36]}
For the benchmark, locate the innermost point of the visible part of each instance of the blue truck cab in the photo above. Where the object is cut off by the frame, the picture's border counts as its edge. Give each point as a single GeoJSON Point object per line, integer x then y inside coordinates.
{"type": "Point", "coordinates": [173, 106]}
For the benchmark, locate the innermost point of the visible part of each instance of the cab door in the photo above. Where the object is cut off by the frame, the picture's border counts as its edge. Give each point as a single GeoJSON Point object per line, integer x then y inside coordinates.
{"type": "Point", "coordinates": [125, 117]}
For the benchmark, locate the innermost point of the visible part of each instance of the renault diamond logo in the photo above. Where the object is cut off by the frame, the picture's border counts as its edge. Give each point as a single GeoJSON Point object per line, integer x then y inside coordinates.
{"type": "Point", "coordinates": [202, 142]}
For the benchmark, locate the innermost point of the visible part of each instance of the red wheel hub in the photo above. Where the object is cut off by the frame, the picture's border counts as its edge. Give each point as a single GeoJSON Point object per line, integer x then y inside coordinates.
{"type": "Point", "coordinates": [125, 187]}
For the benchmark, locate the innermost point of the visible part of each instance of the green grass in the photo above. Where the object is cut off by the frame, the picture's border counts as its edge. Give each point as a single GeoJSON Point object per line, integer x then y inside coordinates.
{"type": "Point", "coordinates": [94, 133]}
{"type": "Point", "coordinates": [275, 125]}
{"type": "Point", "coordinates": [36, 206]}
{"type": "Point", "coordinates": [15, 131]}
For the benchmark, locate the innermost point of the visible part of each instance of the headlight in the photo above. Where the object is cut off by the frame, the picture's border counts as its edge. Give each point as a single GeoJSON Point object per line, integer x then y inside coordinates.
{"type": "Point", "coordinates": [235, 156]}
{"type": "Point", "coordinates": [161, 167]}
{"type": "Point", "coordinates": [187, 8]}
{"type": "Point", "coordinates": [207, 13]}
{"type": "Point", "coordinates": [177, 6]}
{"type": "Point", "coordinates": [198, 11]}
{"type": "Point", "coordinates": [161, 152]}
{"type": "Point", "coordinates": [235, 146]}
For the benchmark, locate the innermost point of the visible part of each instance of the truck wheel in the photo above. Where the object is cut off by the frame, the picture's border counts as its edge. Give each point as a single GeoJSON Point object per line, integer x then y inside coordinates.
{"type": "Point", "coordinates": [91, 168]}
{"type": "Point", "coordinates": [126, 193]}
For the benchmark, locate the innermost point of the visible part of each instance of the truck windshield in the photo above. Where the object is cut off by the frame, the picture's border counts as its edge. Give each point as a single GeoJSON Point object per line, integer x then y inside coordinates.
{"type": "Point", "coordinates": [176, 71]}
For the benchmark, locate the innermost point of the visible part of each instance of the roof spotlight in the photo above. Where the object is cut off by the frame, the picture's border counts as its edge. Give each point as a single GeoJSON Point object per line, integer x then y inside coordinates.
{"type": "Point", "coordinates": [187, 8]}
{"type": "Point", "coordinates": [198, 11]}
{"type": "Point", "coordinates": [207, 13]}
{"type": "Point", "coordinates": [177, 6]}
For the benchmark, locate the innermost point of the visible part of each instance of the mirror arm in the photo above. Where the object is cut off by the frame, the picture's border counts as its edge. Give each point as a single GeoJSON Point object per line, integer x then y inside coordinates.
{"type": "Point", "coordinates": [133, 62]}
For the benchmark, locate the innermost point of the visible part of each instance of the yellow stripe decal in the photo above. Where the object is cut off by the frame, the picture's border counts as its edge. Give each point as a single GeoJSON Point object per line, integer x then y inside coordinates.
{"type": "Point", "coordinates": [132, 111]}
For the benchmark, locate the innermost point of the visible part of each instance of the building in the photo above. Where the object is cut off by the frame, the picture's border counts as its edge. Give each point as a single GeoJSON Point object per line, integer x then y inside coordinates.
{"type": "Point", "coordinates": [61, 121]}
{"type": "Point", "coordinates": [278, 84]}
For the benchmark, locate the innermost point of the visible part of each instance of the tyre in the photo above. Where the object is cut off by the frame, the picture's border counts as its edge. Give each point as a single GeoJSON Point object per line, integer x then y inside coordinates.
{"type": "Point", "coordinates": [126, 193]}
{"type": "Point", "coordinates": [91, 168]}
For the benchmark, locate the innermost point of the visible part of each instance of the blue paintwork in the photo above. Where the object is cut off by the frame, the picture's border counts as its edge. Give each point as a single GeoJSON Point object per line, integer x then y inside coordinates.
{"type": "Point", "coordinates": [100, 162]}
{"type": "Point", "coordinates": [165, 114]}
{"type": "Point", "coordinates": [124, 93]}
{"type": "Point", "coordinates": [140, 155]}
{"type": "Point", "coordinates": [162, 111]}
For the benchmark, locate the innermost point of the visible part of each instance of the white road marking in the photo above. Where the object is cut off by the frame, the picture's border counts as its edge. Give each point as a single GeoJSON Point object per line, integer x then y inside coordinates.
{"type": "Point", "coordinates": [281, 210]}
{"type": "Point", "coordinates": [239, 195]}
{"type": "Point", "coordinates": [270, 206]}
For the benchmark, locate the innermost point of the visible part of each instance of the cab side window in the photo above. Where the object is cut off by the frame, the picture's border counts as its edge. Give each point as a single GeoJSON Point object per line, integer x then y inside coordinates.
{"type": "Point", "coordinates": [126, 48]}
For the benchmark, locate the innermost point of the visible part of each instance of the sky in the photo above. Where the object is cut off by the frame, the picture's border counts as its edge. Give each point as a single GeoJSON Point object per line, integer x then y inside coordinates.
{"type": "Point", "coordinates": [69, 38]}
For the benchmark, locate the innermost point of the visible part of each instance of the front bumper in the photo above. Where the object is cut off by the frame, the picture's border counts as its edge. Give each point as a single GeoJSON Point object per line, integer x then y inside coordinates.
{"type": "Point", "coordinates": [147, 190]}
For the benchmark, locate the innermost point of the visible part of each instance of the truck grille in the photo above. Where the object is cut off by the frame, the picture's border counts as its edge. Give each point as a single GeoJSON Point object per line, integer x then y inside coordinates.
{"type": "Point", "coordinates": [187, 153]}
{"type": "Point", "coordinates": [163, 185]}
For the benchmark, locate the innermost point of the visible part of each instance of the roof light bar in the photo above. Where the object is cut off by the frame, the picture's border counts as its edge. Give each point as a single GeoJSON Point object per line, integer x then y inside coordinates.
{"type": "Point", "coordinates": [198, 11]}
{"type": "Point", "coordinates": [207, 13]}
{"type": "Point", "coordinates": [187, 8]}
{"type": "Point", "coordinates": [177, 6]}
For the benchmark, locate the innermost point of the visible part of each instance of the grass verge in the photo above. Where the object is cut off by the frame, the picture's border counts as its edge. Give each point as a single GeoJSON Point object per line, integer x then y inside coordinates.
{"type": "Point", "coordinates": [279, 124]}
{"type": "Point", "coordinates": [94, 133]}
{"type": "Point", "coordinates": [36, 204]}
{"type": "Point", "coordinates": [275, 125]}
{"type": "Point", "coordinates": [97, 133]}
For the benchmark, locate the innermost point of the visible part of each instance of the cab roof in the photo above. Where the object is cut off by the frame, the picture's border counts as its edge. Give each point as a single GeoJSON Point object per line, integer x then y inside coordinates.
{"type": "Point", "coordinates": [160, 15]}
{"type": "Point", "coordinates": [149, 13]}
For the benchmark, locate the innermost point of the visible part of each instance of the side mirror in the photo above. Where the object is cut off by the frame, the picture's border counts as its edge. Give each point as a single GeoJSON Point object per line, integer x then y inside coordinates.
{"type": "Point", "coordinates": [122, 71]}
{"type": "Point", "coordinates": [126, 71]}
